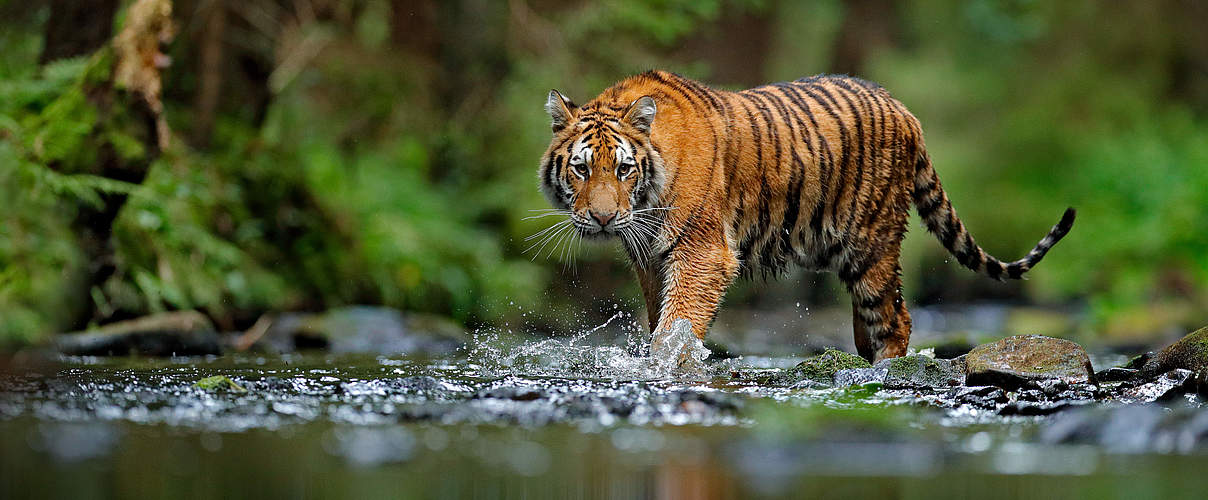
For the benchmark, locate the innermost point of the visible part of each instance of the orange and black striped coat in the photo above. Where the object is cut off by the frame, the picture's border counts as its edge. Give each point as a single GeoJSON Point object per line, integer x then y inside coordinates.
{"type": "Point", "coordinates": [704, 185]}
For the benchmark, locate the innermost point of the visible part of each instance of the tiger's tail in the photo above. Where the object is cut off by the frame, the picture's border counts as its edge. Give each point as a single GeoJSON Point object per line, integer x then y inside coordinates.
{"type": "Point", "coordinates": [941, 220]}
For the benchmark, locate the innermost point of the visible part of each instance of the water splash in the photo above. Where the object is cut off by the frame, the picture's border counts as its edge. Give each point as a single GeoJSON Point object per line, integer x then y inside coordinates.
{"type": "Point", "coordinates": [680, 350]}
{"type": "Point", "coordinates": [680, 355]}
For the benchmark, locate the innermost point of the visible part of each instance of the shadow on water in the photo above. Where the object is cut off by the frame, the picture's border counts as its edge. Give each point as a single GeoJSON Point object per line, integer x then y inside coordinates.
{"type": "Point", "coordinates": [570, 417]}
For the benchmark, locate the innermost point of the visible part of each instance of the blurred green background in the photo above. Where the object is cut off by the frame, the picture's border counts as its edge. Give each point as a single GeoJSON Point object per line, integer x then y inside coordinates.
{"type": "Point", "coordinates": [313, 153]}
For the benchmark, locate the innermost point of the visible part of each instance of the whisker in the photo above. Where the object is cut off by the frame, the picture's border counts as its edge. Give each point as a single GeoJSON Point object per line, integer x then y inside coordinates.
{"type": "Point", "coordinates": [648, 217]}
{"type": "Point", "coordinates": [561, 235]}
{"type": "Point", "coordinates": [647, 229]}
{"type": "Point", "coordinates": [647, 252]}
{"type": "Point", "coordinates": [639, 247]}
{"type": "Point", "coordinates": [546, 230]}
{"type": "Point", "coordinates": [538, 216]}
{"type": "Point", "coordinates": [545, 240]}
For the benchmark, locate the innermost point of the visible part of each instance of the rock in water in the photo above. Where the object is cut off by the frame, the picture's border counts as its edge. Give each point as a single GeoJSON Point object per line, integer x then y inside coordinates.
{"type": "Point", "coordinates": [1165, 387]}
{"type": "Point", "coordinates": [179, 333]}
{"type": "Point", "coordinates": [860, 376]}
{"type": "Point", "coordinates": [1012, 361]}
{"type": "Point", "coordinates": [822, 368]}
{"type": "Point", "coordinates": [218, 383]}
{"type": "Point", "coordinates": [1189, 353]}
{"type": "Point", "coordinates": [919, 371]}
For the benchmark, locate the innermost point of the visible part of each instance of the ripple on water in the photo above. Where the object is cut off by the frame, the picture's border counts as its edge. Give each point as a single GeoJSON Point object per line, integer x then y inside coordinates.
{"type": "Point", "coordinates": [678, 355]}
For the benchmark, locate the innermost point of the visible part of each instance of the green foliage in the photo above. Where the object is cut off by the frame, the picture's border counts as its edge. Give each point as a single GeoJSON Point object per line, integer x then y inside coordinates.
{"type": "Point", "coordinates": [383, 172]}
{"type": "Point", "coordinates": [43, 119]}
{"type": "Point", "coordinates": [1060, 111]}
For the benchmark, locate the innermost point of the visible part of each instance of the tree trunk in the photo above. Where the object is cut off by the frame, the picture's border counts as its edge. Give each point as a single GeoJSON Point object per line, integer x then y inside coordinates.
{"type": "Point", "coordinates": [210, 71]}
{"type": "Point", "coordinates": [128, 102]}
{"type": "Point", "coordinates": [868, 26]}
{"type": "Point", "coordinates": [77, 27]}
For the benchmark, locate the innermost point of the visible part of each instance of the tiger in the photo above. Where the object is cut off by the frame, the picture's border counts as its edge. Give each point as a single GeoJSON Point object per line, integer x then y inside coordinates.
{"type": "Point", "coordinates": [703, 186]}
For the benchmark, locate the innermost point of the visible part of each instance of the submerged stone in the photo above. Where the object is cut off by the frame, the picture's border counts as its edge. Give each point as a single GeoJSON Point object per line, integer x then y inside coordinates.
{"type": "Point", "coordinates": [1141, 428]}
{"type": "Point", "coordinates": [1037, 408]}
{"type": "Point", "coordinates": [1013, 361]}
{"type": "Point", "coordinates": [1115, 374]}
{"type": "Point", "coordinates": [218, 383]}
{"type": "Point", "coordinates": [177, 333]}
{"type": "Point", "coordinates": [916, 371]}
{"type": "Point", "coordinates": [1165, 387]}
{"type": "Point", "coordinates": [860, 376]}
{"type": "Point", "coordinates": [1189, 353]}
{"type": "Point", "coordinates": [822, 368]}
{"type": "Point", "coordinates": [512, 393]}
{"type": "Point", "coordinates": [986, 396]}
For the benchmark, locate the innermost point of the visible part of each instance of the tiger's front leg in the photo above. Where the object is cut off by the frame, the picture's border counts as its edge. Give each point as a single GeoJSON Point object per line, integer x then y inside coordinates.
{"type": "Point", "coordinates": [695, 278]}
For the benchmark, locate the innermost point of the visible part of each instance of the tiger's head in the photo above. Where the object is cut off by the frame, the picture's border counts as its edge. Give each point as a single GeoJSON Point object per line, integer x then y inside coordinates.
{"type": "Point", "coordinates": [601, 166]}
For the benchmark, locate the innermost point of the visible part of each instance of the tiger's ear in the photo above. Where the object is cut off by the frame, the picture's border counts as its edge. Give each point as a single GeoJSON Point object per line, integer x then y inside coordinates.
{"type": "Point", "coordinates": [559, 109]}
{"type": "Point", "coordinates": [641, 112]}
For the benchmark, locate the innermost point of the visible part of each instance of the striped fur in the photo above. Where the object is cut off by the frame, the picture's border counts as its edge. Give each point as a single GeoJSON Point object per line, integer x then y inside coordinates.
{"type": "Point", "coordinates": [820, 172]}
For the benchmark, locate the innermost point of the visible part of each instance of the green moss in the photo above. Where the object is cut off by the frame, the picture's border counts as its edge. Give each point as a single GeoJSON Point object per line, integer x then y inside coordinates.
{"type": "Point", "coordinates": [1138, 361]}
{"type": "Point", "coordinates": [822, 368]}
{"type": "Point", "coordinates": [218, 383]}
{"type": "Point", "coordinates": [1190, 352]}
{"type": "Point", "coordinates": [918, 370]}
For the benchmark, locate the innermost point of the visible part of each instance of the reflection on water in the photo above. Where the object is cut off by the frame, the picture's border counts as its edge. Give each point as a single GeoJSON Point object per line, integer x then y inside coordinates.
{"type": "Point", "coordinates": [572, 417]}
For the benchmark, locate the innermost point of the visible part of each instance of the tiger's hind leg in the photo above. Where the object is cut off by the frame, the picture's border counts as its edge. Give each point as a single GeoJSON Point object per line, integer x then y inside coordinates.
{"type": "Point", "coordinates": [879, 316]}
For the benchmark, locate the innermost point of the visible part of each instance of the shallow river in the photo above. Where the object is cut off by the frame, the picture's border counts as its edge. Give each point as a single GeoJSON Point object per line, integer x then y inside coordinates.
{"type": "Point", "coordinates": [558, 418]}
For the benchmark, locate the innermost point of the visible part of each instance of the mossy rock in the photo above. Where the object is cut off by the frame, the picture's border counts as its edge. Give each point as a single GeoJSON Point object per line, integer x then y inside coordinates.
{"type": "Point", "coordinates": [1012, 361]}
{"type": "Point", "coordinates": [822, 368]}
{"type": "Point", "coordinates": [919, 371]}
{"type": "Point", "coordinates": [218, 383]}
{"type": "Point", "coordinates": [1189, 353]}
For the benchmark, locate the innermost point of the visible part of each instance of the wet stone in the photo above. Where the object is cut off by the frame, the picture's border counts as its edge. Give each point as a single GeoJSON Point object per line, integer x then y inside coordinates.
{"type": "Point", "coordinates": [1037, 408]}
{"type": "Point", "coordinates": [860, 376]}
{"type": "Point", "coordinates": [1030, 395]}
{"type": "Point", "coordinates": [1132, 429]}
{"type": "Point", "coordinates": [511, 393]}
{"type": "Point", "coordinates": [1115, 374]}
{"type": "Point", "coordinates": [809, 384]}
{"type": "Point", "coordinates": [1189, 353]}
{"type": "Point", "coordinates": [1013, 361]}
{"type": "Point", "coordinates": [917, 371]}
{"type": "Point", "coordinates": [717, 400]}
{"type": "Point", "coordinates": [421, 383]}
{"type": "Point", "coordinates": [1162, 388]}
{"type": "Point", "coordinates": [986, 396]}
{"type": "Point", "coordinates": [1050, 387]}
{"type": "Point", "coordinates": [822, 368]}
{"type": "Point", "coordinates": [1080, 391]}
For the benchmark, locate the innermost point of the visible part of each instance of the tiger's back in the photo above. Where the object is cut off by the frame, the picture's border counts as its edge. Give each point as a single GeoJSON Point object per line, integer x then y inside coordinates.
{"type": "Point", "coordinates": [820, 172]}
{"type": "Point", "coordinates": [829, 178]}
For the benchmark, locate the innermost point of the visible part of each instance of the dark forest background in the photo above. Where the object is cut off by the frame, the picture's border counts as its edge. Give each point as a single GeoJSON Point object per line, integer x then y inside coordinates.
{"type": "Point", "coordinates": [238, 157]}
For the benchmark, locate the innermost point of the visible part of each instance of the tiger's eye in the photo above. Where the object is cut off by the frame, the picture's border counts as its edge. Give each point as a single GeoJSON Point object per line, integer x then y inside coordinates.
{"type": "Point", "coordinates": [625, 171]}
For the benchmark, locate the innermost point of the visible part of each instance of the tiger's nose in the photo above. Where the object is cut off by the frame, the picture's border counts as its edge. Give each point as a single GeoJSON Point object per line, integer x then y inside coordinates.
{"type": "Point", "coordinates": [603, 219]}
